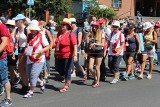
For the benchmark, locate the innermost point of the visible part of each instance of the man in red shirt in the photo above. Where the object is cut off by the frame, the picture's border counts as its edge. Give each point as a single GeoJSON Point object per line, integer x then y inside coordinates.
{"type": "Point", "coordinates": [3, 65]}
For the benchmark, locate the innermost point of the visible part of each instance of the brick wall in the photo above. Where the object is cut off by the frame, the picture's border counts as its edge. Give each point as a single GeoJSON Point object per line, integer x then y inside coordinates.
{"type": "Point", "coordinates": [127, 9]}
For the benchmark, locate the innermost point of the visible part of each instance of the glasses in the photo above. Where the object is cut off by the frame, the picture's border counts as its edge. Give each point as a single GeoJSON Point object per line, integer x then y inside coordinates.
{"type": "Point", "coordinates": [64, 24]}
{"type": "Point", "coordinates": [115, 26]}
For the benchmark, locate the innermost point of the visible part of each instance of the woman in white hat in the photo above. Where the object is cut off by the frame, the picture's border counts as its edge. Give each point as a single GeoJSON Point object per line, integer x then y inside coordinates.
{"type": "Point", "coordinates": [150, 38]}
{"type": "Point", "coordinates": [66, 52]}
{"type": "Point", "coordinates": [37, 45]}
{"type": "Point", "coordinates": [116, 45]}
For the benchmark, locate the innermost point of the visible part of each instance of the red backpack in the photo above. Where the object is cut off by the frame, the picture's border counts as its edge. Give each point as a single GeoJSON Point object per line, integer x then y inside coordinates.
{"type": "Point", "coordinates": [10, 46]}
{"type": "Point", "coordinates": [9, 49]}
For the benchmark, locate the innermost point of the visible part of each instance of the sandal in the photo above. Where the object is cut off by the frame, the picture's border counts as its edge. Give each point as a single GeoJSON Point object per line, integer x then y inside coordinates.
{"type": "Point", "coordinates": [96, 85]}
{"type": "Point", "coordinates": [64, 89]}
{"type": "Point", "coordinates": [85, 77]}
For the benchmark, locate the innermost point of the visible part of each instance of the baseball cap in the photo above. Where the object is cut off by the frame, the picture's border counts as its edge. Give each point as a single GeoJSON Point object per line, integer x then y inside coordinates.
{"type": "Point", "coordinates": [19, 17]}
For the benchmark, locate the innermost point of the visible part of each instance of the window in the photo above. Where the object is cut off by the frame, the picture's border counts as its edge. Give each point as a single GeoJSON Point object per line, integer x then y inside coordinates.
{"type": "Point", "coordinates": [116, 4]}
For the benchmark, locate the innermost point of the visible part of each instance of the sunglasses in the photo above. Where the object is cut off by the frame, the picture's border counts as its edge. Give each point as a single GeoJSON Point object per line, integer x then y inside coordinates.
{"type": "Point", "coordinates": [64, 24]}
{"type": "Point", "coordinates": [115, 26]}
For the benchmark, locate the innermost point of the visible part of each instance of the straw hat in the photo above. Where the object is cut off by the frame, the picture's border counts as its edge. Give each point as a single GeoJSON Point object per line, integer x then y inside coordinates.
{"type": "Point", "coordinates": [33, 25]}
{"type": "Point", "coordinates": [66, 21]}
{"type": "Point", "coordinates": [10, 22]}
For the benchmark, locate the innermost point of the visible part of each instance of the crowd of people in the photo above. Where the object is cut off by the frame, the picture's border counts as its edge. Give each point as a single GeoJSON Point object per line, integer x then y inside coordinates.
{"type": "Point", "coordinates": [98, 40]}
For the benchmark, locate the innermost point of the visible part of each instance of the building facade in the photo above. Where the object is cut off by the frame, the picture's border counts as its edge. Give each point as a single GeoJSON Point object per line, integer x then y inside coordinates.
{"type": "Point", "coordinates": [122, 7]}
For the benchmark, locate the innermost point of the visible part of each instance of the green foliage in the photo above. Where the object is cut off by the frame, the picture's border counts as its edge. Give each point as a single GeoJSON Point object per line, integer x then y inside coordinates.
{"type": "Point", "coordinates": [94, 9]}
{"type": "Point", "coordinates": [55, 7]}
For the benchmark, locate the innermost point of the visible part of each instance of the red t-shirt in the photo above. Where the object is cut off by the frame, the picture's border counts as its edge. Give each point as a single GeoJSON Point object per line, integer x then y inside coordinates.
{"type": "Point", "coordinates": [65, 44]}
{"type": "Point", "coordinates": [3, 33]}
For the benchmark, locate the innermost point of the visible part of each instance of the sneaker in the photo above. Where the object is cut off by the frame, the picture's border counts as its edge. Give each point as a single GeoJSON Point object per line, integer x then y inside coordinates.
{"type": "Point", "coordinates": [73, 74]}
{"type": "Point", "coordinates": [132, 76]}
{"type": "Point", "coordinates": [149, 76]}
{"type": "Point", "coordinates": [17, 80]}
{"type": "Point", "coordinates": [6, 102]}
{"type": "Point", "coordinates": [125, 77]}
{"type": "Point", "coordinates": [28, 95]}
{"type": "Point", "coordinates": [140, 76]}
{"type": "Point", "coordinates": [42, 87]}
{"type": "Point", "coordinates": [114, 81]}
{"type": "Point", "coordinates": [85, 77]}
{"type": "Point", "coordinates": [1, 90]}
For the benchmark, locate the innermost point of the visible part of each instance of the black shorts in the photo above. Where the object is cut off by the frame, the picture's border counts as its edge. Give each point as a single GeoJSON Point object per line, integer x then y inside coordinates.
{"type": "Point", "coordinates": [21, 49]}
{"type": "Point", "coordinates": [94, 54]}
{"type": "Point", "coordinates": [11, 61]}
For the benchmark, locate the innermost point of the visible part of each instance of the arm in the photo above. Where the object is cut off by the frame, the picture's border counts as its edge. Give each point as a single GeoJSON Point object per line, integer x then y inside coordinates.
{"type": "Point", "coordinates": [75, 53]}
{"type": "Point", "coordinates": [138, 41]}
{"type": "Point", "coordinates": [50, 38]}
{"type": "Point", "coordinates": [79, 38]}
{"type": "Point", "coordinates": [3, 43]}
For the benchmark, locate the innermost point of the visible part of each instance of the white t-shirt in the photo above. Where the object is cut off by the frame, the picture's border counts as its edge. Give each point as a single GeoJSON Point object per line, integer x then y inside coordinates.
{"type": "Point", "coordinates": [113, 40]}
{"type": "Point", "coordinates": [40, 47]}
{"type": "Point", "coordinates": [22, 38]}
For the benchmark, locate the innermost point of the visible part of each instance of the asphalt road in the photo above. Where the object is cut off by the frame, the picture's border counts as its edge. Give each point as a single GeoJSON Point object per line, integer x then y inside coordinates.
{"type": "Point", "coordinates": [131, 93]}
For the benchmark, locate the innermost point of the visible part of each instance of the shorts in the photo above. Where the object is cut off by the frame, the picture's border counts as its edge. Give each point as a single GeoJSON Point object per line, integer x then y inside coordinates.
{"type": "Point", "coordinates": [11, 61]}
{"type": "Point", "coordinates": [21, 49]}
{"type": "Point", "coordinates": [149, 53]}
{"type": "Point", "coordinates": [3, 71]}
{"type": "Point", "coordinates": [99, 54]}
{"type": "Point", "coordinates": [114, 62]}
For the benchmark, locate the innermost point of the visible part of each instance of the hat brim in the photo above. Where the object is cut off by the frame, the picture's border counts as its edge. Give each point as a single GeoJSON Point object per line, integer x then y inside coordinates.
{"type": "Point", "coordinates": [145, 28]}
{"type": "Point", "coordinates": [63, 22]}
{"type": "Point", "coordinates": [33, 27]}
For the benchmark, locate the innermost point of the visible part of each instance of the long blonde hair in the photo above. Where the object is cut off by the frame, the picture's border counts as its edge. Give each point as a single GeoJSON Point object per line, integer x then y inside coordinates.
{"type": "Point", "coordinates": [98, 35]}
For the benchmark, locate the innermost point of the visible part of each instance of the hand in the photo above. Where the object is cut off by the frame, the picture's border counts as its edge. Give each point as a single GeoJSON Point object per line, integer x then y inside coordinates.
{"type": "Point", "coordinates": [13, 57]}
{"type": "Point", "coordinates": [118, 53]}
{"type": "Point", "coordinates": [75, 58]}
{"type": "Point", "coordinates": [82, 52]}
{"type": "Point", "coordinates": [139, 51]}
{"type": "Point", "coordinates": [92, 46]}
{"type": "Point", "coordinates": [148, 39]}
{"type": "Point", "coordinates": [40, 52]}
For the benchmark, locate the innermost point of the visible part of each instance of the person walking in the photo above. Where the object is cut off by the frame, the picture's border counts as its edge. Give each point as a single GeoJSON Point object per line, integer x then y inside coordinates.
{"type": "Point", "coordinates": [37, 45]}
{"type": "Point", "coordinates": [116, 49]}
{"type": "Point", "coordinates": [3, 66]}
{"type": "Point", "coordinates": [150, 38]}
{"type": "Point", "coordinates": [66, 52]}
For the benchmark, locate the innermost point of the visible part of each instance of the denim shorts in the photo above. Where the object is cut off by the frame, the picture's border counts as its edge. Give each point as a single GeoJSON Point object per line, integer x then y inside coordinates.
{"type": "Point", "coordinates": [114, 62]}
{"type": "Point", "coordinates": [3, 71]}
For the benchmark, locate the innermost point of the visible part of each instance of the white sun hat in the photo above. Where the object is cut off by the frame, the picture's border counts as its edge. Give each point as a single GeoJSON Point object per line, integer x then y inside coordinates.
{"type": "Point", "coordinates": [34, 25]}
{"type": "Point", "coordinates": [10, 22]}
{"type": "Point", "coordinates": [147, 25]}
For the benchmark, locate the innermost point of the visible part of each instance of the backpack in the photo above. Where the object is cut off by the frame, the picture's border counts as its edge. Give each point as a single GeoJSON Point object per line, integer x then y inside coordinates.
{"type": "Point", "coordinates": [9, 49]}
{"type": "Point", "coordinates": [53, 39]}
{"type": "Point", "coordinates": [10, 46]}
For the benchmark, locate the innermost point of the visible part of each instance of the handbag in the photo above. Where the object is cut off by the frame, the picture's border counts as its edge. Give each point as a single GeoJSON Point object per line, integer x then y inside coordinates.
{"type": "Point", "coordinates": [98, 49]}
{"type": "Point", "coordinates": [149, 47]}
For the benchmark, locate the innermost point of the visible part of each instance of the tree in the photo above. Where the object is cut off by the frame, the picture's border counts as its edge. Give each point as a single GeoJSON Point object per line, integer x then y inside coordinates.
{"type": "Point", "coordinates": [56, 7]}
{"type": "Point", "coordinates": [94, 9]}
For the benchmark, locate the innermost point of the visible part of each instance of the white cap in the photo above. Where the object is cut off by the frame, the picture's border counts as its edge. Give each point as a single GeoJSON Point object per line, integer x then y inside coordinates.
{"type": "Point", "coordinates": [116, 23]}
{"type": "Point", "coordinates": [73, 20]}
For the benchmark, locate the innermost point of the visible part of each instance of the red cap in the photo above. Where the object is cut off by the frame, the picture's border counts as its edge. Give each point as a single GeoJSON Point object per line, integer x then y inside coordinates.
{"type": "Point", "coordinates": [101, 20]}
{"type": "Point", "coordinates": [95, 24]}
{"type": "Point", "coordinates": [157, 24]}
{"type": "Point", "coordinates": [39, 23]}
